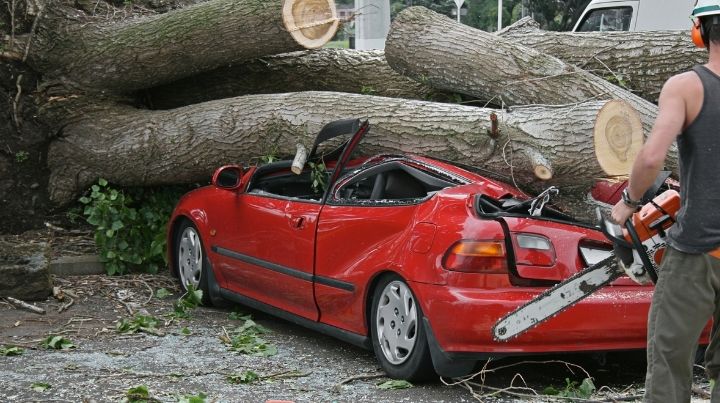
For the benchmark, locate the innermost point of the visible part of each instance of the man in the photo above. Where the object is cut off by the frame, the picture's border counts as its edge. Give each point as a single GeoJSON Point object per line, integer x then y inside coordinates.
{"type": "Point", "coordinates": [688, 290]}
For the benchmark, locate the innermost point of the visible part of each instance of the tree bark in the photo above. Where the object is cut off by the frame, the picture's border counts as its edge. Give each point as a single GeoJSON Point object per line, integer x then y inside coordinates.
{"type": "Point", "coordinates": [340, 70]}
{"type": "Point", "coordinates": [139, 147]}
{"type": "Point", "coordinates": [638, 61]}
{"type": "Point", "coordinates": [149, 51]}
{"type": "Point", "coordinates": [454, 57]}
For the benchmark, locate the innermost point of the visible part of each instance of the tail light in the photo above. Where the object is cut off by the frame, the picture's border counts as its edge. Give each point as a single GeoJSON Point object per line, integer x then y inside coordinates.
{"type": "Point", "coordinates": [477, 257]}
{"type": "Point", "coordinates": [533, 250]}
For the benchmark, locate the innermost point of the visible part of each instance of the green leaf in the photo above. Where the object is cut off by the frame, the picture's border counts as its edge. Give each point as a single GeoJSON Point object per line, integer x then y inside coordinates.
{"type": "Point", "coordinates": [138, 394]}
{"type": "Point", "coordinates": [162, 293]}
{"type": "Point", "coordinates": [84, 200]}
{"type": "Point", "coordinates": [395, 384]}
{"type": "Point", "coordinates": [110, 233]}
{"type": "Point", "coordinates": [102, 182]}
{"type": "Point", "coordinates": [200, 398]}
{"type": "Point", "coordinates": [57, 343]}
{"type": "Point", "coordinates": [10, 351]}
{"type": "Point", "coordinates": [40, 386]}
{"type": "Point", "coordinates": [116, 225]}
{"type": "Point", "coordinates": [244, 377]}
{"type": "Point", "coordinates": [185, 331]}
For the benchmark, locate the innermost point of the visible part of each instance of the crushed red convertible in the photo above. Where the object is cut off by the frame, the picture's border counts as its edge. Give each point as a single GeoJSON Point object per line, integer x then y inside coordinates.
{"type": "Point", "coordinates": [412, 257]}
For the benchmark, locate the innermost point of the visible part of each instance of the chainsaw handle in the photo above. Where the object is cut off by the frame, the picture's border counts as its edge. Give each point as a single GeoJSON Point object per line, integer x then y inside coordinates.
{"type": "Point", "coordinates": [638, 246]}
{"type": "Point", "coordinates": [612, 231]}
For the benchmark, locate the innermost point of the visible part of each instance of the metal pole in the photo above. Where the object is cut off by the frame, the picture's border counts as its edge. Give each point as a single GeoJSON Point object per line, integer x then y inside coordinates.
{"type": "Point", "coordinates": [499, 15]}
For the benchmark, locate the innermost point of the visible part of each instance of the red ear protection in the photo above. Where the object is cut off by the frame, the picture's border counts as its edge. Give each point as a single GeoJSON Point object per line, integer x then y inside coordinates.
{"type": "Point", "coordinates": [696, 34]}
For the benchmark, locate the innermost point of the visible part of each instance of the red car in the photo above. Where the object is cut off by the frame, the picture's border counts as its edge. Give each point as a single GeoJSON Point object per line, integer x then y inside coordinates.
{"type": "Point", "coordinates": [410, 256]}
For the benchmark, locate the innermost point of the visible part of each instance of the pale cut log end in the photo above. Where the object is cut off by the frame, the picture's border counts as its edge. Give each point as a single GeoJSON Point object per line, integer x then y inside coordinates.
{"type": "Point", "coordinates": [543, 173]}
{"type": "Point", "coordinates": [312, 23]}
{"type": "Point", "coordinates": [618, 136]}
{"type": "Point", "coordinates": [541, 166]}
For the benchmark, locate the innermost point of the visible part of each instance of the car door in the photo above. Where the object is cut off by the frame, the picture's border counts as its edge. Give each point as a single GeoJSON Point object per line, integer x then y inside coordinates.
{"type": "Point", "coordinates": [271, 251]}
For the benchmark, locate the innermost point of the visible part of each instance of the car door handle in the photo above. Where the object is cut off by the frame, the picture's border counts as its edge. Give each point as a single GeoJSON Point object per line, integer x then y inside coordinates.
{"type": "Point", "coordinates": [298, 222]}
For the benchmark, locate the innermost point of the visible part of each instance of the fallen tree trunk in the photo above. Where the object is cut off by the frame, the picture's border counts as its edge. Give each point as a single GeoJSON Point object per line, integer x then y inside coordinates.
{"type": "Point", "coordinates": [436, 50]}
{"type": "Point", "coordinates": [454, 57]}
{"type": "Point", "coordinates": [145, 52]}
{"type": "Point", "coordinates": [139, 147]}
{"type": "Point", "coordinates": [340, 70]}
{"type": "Point", "coordinates": [638, 61]}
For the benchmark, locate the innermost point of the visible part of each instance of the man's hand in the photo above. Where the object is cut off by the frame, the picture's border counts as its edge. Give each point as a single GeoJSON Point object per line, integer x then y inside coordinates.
{"type": "Point", "coordinates": [621, 212]}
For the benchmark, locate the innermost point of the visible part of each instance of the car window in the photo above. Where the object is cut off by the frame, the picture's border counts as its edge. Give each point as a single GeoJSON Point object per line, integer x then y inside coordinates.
{"type": "Point", "coordinates": [607, 19]}
{"type": "Point", "coordinates": [393, 182]}
{"type": "Point", "coordinates": [286, 184]}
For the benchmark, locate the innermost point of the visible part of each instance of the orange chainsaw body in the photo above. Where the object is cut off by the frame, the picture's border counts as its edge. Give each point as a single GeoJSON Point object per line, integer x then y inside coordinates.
{"type": "Point", "coordinates": [653, 220]}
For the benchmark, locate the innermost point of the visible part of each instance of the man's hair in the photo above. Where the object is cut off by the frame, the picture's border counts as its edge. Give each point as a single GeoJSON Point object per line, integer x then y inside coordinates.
{"type": "Point", "coordinates": [711, 29]}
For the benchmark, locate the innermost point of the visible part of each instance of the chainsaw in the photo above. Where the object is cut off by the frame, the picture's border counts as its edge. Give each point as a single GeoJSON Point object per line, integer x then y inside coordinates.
{"type": "Point", "coordinates": [637, 251]}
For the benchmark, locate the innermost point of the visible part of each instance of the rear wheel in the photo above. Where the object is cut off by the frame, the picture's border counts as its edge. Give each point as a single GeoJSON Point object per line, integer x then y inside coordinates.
{"type": "Point", "coordinates": [191, 262]}
{"type": "Point", "coordinates": [397, 331]}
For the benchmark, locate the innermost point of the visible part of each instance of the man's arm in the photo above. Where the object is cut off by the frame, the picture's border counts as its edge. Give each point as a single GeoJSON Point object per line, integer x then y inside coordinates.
{"type": "Point", "coordinates": [668, 125]}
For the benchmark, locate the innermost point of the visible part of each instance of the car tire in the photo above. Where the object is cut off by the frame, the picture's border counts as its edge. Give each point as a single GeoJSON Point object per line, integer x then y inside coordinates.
{"type": "Point", "coordinates": [191, 261]}
{"type": "Point", "coordinates": [397, 332]}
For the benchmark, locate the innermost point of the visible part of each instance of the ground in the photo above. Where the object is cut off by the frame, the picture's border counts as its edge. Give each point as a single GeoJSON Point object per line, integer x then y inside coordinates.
{"type": "Point", "coordinates": [190, 356]}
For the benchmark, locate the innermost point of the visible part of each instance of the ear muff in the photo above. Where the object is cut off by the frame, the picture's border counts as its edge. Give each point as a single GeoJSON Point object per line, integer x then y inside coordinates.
{"type": "Point", "coordinates": [696, 34]}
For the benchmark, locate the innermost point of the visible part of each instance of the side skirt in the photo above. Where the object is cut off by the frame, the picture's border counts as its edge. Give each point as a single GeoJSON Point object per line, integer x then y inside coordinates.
{"type": "Point", "coordinates": [344, 335]}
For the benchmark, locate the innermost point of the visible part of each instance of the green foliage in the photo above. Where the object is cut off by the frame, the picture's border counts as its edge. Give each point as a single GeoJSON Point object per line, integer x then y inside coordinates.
{"type": "Point", "coordinates": [57, 343]}
{"type": "Point", "coordinates": [318, 176]}
{"type": "Point", "coordinates": [21, 156]}
{"type": "Point", "coordinates": [200, 398]}
{"type": "Point", "coordinates": [245, 339]}
{"type": "Point", "coordinates": [572, 390]}
{"type": "Point", "coordinates": [10, 351]}
{"type": "Point", "coordinates": [139, 323]}
{"type": "Point", "coordinates": [40, 386]}
{"type": "Point", "coordinates": [185, 304]}
{"type": "Point", "coordinates": [130, 225]}
{"type": "Point", "coordinates": [395, 384]}
{"type": "Point", "coordinates": [139, 394]}
{"type": "Point", "coordinates": [367, 90]}
{"type": "Point", "coordinates": [162, 293]}
{"type": "Point", "coordinates": [271, 155]}
{"type": "Point", "coordinates": [239, 315]}
{"type": "Point", "coordinates": [244, 377]}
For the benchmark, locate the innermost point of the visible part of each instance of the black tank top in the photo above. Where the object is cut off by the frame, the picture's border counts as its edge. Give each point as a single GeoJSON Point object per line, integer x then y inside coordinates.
{"type": "Point", "coordinates": [698, 225]}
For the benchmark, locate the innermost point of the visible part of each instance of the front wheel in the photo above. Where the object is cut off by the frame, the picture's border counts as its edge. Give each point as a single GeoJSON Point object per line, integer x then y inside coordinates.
{"type": "Point", "coordinates": [397, 331]}
{"type": "Point", "coordinates": [190, 260]}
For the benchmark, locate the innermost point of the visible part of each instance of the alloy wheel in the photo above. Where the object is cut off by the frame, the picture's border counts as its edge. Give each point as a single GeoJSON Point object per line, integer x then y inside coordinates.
{"type": "Point", "coordinates": [396, 320]}
{"type": "Point", "coordinates": [190, 258]}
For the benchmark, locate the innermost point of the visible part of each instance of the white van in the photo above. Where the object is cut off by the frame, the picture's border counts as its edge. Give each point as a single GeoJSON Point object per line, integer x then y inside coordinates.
{"type": "Point", "coordinates": [635, 15]}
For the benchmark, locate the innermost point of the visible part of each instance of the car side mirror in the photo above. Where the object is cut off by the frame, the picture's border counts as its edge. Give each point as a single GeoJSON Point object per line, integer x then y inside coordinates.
{"type": "Point", "coordinates": [228, 177]}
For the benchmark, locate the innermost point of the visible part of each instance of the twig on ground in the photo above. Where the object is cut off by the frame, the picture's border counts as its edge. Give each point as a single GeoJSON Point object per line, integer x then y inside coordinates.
{"type": "Point", "coordinates": [67, 305]}
{"type": "Point", "coordinates": [16, 101]}
{"type": "Point", "coordinates": [286, 374]}
{"type": "Point", "coordinates": [24, 305]}
{"type": "Point", "coordinates": [338, 386]}
{"type": "Point", "coordinates": [32, 32]}
{"type": "Point", "coordinates": [700, 392]}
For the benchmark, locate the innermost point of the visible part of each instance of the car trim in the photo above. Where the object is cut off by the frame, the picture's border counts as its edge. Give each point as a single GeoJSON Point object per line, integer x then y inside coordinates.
{"type": "Point", "coordinates": [341, 334]}
{"type": "Point", "coordinates": [289, 271]}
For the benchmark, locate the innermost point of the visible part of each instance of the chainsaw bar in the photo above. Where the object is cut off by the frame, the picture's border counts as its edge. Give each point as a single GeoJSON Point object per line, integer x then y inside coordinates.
{"type": "Point", "coordinates": [557, 299]}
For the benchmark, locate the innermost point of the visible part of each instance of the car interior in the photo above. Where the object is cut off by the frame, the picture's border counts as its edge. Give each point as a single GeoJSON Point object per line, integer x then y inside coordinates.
{"type": "Point", "coordinates": [386, 181]}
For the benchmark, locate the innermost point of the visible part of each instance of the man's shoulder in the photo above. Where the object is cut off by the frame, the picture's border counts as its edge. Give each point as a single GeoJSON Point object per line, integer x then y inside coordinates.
{"type": "Point", "coordinates": [687, 83]}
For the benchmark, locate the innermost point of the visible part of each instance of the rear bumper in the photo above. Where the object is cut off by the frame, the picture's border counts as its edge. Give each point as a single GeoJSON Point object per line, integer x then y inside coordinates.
{"type": "Point", "coordinates": [461, 320]}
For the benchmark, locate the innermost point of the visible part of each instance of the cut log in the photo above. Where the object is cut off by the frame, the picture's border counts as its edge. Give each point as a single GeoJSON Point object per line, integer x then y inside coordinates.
{"type": "Point", "coordinates": [149, 51]}
{"type": "Point", "coordinates": [138, 147]}
{"type": "Point", "coordinates": [340, 70]}
{"type": "Point", "coordinates": [638, 61]}
{"type": "Point", "coordinates": [453, 57]}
